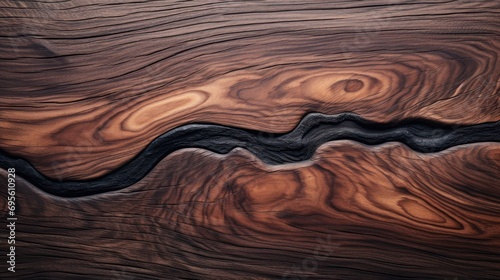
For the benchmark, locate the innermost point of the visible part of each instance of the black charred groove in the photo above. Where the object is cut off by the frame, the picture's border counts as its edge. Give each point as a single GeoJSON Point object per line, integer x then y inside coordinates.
{"type": "Point", "coordinates": [298, 145]}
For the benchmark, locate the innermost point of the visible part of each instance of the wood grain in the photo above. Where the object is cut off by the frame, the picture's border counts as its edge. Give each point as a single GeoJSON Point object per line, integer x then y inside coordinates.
{"type": "Point", "coordinates": [180, 139]}
{"type": "Point", "coordinates": [352, 212]}
{"type": "Point", "coordinates": [292, 147]}
{"type": "Point", "coordinates": [86, 85]}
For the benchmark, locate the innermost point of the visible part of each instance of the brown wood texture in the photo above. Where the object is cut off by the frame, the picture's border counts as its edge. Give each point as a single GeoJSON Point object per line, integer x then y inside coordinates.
{"type": "Point", "coordinates": [86, 85]}
{"type": "Point", "coordinates": [352, 212]}
{"type": "Point", "coordinates": [102, 80]}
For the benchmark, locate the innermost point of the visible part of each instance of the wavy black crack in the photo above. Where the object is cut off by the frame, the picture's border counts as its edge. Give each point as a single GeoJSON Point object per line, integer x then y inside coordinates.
{"type": "Point", "coordinates": [298, 145]}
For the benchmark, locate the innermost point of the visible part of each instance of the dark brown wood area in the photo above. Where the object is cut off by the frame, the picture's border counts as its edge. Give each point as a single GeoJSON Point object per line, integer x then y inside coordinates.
{"type": "Point", "coordinates": [352, 212]}
{"type": "Point", "coordinates": [86, 87]}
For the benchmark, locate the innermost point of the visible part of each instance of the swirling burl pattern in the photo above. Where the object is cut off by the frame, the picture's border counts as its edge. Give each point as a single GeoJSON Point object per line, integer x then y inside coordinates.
{"type": "Point", "coordinates": [351, 212]}
{"type": "Point", "coordinates": [294, 146]}
{"type": "Point", "coordinates": [252, 140]}
{"type": "Point", "coordinates": [102, 80]}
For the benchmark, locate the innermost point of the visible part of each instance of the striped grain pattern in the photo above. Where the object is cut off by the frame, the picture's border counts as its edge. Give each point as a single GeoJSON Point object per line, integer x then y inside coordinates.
{"type": "Point", "coordinates": [352, 212]}
{"type": "Point", "coordinates": [88, 86]}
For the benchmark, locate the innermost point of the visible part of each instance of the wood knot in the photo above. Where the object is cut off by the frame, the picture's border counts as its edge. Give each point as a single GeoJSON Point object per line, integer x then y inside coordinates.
{"type": "Point", "coordinates": [352, 85]}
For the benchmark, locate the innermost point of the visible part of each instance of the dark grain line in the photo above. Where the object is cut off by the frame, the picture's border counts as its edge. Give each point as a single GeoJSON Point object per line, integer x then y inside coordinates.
{"type": "Point", "coordinates": [73, 73]}
{"type": "Point", "coordinates": [298, 145]}
{"type": "Point", "coordinates": [384, 212]}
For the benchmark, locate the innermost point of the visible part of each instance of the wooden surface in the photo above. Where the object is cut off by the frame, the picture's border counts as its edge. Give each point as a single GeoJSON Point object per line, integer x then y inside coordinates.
{"type": "Point", "coordinates": [352, 212]}
{"type": "Point", "coordinates": [102, 81]}
{"type": "Point", "coordinates": [87, 86]}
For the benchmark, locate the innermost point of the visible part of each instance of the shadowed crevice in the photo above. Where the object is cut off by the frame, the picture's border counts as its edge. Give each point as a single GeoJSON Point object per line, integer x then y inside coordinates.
{"type": "Point", "coordinates": [298, 145]}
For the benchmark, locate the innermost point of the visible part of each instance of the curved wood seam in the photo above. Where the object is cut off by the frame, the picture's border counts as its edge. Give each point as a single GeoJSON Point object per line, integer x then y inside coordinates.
{"type": "Point", "coordinates": [298, 145]}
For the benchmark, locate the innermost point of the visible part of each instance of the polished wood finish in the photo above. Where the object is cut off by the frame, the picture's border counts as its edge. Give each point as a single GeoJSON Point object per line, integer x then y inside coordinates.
{"type": "Point", "coordinates": [353, 212]}
{"type": "Point", "coordinates": [87, 85]}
